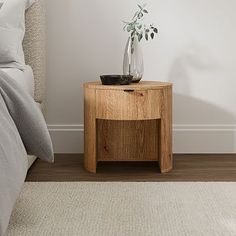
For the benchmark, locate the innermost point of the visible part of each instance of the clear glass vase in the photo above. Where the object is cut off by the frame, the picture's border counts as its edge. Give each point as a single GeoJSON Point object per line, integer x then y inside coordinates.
{"type": "Point", "coordinates": [133, 60]}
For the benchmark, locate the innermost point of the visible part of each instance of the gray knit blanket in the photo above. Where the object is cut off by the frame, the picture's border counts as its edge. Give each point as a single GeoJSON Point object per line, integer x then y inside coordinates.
{"type": "Point", "coordinates": [22, 131]}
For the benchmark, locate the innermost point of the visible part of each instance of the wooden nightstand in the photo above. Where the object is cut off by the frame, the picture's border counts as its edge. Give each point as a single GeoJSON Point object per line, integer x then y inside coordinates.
{"type": "Point", "coordinates": [128, 123]}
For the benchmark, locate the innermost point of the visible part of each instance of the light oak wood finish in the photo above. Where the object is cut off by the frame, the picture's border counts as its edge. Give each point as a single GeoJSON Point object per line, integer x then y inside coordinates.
{"type": "Point", "coordinates": [127, 140]}
{"type": "Point", "coordinates": [142, 85]}
{"type": "Point", "coordinates": [90, 161]}
{"type": "Point", "coordinates": [128, 104]}
{"type": "Point", "coordinates": [114, 123]}
{"type": "Point", "coordinates": [165, 131]}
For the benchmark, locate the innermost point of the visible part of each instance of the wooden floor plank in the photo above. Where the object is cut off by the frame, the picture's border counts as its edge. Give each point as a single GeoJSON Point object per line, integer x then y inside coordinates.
{"type": "Point", "coordinates": [69, 167]}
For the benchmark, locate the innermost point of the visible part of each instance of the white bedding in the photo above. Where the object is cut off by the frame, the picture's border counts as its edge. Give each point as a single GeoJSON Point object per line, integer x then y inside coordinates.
{"type": "Point", "coordinates": [12, 31]}
{"type": "Point", "coordinates": [24, 78]}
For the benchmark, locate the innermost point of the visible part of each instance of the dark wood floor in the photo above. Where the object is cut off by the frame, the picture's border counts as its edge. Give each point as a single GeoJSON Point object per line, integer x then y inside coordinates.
{"type": "Point", "coordinates": [186, 168]}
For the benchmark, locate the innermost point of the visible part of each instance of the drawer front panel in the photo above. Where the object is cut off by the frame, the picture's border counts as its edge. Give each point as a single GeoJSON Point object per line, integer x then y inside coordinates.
{"type": "Point", "coordinates": [128, 104]}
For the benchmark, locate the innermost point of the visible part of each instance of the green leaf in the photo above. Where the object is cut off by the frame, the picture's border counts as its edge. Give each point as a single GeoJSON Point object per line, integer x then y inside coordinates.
{"type": "Point", "coordinates": [145, 11]}
{"type": "Point", "coordinates": [146, 36]}
{"type": "Point", "coordinates": [152, 35]}
{"type": "Point", "coordinates": [140, 36]}
{"type": "Point", "coordinates": [129, 28]}
{"type": "Point", "coordinates": [139, 27]}
{"type": "Point", "coordinates": [155, 30]}
{"type": "Point", "coordinates": [140, 15]}
{"type": "Point", "coordinates": [141, 8]}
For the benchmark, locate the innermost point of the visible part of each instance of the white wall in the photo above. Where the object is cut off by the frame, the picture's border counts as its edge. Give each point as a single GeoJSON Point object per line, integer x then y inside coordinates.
{"type": "Point", "coordinates": [195, 49]}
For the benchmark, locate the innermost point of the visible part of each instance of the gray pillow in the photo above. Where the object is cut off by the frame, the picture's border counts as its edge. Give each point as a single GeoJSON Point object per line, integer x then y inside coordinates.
{"type": "Point", "coordinates": [12, 31]}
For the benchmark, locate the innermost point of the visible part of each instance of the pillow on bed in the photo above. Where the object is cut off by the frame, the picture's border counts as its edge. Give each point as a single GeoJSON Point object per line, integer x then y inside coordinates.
{"type": "Point", "coordinates": [12, 31]}
{"type": "Point", "coordinates": [29, 3]}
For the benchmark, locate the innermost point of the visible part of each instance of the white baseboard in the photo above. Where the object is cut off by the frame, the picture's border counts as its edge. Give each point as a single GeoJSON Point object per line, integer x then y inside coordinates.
{"type": "Point", "coordinates": [186, 138]}
{"type": "Point", "coordinates": [67, 138]}
{"type": "Point", "coordinates": [204, 139]}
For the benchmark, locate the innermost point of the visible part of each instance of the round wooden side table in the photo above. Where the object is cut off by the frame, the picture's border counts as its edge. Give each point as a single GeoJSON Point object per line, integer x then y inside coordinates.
{"type": "Point", "coordinates": [128, 123]}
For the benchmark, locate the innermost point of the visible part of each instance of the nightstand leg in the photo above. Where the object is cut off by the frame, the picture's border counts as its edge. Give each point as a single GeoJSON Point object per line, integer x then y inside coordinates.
{"type": "Point", "coordinates": [90, 160]}
{"type": "Point", "coordinates": [165, 131]}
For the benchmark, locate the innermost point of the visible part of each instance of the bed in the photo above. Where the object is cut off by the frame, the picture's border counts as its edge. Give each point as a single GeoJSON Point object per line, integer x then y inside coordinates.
{"type": "Point", "coordinates": [32, 78]}
{"type": "Point", "coordinates": [22, 76]}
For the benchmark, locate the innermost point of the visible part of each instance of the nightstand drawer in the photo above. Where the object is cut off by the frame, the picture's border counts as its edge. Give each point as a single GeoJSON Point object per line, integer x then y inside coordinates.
{"type": "Point", "coordinates": [128, 104]}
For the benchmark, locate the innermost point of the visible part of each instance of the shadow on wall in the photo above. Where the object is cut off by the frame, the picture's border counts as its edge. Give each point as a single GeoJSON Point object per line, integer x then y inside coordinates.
{"type": "Point", "coordinates": [193, 60]}
{"type": "Point", "coordinates": [198, 122]}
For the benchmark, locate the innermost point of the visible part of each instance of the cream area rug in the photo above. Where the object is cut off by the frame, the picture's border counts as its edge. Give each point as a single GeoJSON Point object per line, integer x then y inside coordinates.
{"type": "Point", "coordinates": [125, 209]}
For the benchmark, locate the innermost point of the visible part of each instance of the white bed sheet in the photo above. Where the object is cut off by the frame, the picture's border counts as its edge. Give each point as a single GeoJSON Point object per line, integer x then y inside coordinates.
{"type": "Point", "coordinates": [25, 78]}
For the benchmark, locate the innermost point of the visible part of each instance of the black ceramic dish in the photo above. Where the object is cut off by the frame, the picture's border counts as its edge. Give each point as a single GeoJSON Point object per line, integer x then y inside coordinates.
{"type": "Point", "coordinates": [116, 79]}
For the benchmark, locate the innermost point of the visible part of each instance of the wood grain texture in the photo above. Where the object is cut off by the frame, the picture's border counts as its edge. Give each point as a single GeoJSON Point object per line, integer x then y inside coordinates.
{"type": "Point", "coordinates": [165, 131]}
{"type": "Point", "coordinates": [127, 104]}
{"type": "Point", "coordinates": [194, 167]}
{"type": "Point", "coordinates": [90, 130]}
{"type": "Point", "coordinates": [127, 140]}
{"type": "Point", "coordinates": [147, 100]}
{"type": "Point", "coordinates": [143, 85]}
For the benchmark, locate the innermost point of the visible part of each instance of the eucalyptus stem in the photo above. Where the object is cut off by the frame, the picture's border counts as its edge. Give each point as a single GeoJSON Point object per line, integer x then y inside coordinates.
{"type": "Point", "coordinates": [136, 28]}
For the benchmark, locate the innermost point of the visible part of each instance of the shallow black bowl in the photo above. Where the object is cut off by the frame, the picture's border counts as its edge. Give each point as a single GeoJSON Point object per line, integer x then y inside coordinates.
{"type": "Point", "coordinates": [116, 79]}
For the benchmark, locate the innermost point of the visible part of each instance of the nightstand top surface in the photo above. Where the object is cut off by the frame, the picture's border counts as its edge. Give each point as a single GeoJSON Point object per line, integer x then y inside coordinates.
{"type": "Point", "coordinates": [142, 85]}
